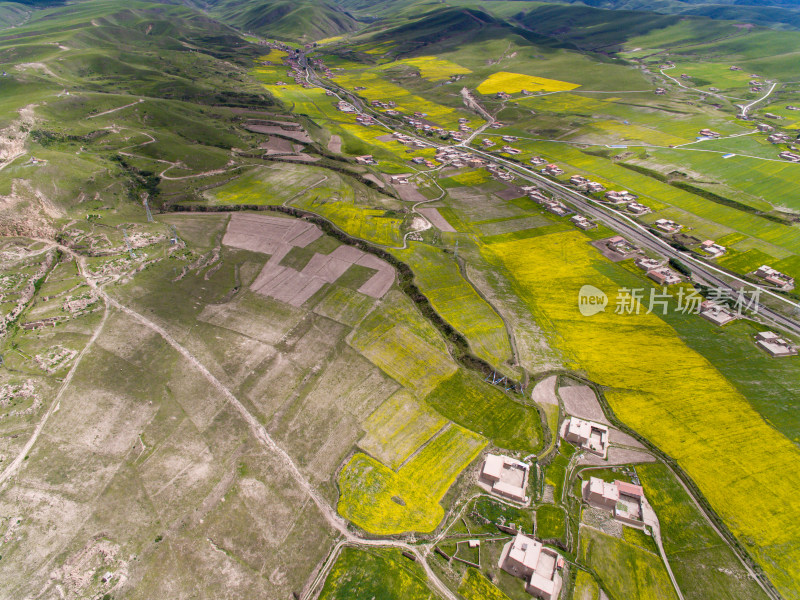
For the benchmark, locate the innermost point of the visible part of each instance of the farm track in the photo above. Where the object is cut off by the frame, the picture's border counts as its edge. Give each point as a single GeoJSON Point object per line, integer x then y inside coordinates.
{"type": "Point", "coordinates": [15, 464]}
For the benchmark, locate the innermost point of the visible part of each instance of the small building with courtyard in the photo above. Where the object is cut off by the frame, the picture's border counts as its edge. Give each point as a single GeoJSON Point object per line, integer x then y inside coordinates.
{"type": "Point", "coordinates": [530, 560]}
{"type": "Point", "coordinates": [589, 435]}
{"type": "Point", "coordinates": [624, 500]}
{"type": "Point", "coordinates": [505, 477]}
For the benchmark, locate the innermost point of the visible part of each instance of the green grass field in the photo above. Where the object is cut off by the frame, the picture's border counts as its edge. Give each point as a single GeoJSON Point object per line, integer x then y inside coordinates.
{"type": "Point", "coordinates": [468, 401]}
{"type": "Point", "coordinates": [376, 573]}
{"type": "Point", "coordinates": [625, 570]}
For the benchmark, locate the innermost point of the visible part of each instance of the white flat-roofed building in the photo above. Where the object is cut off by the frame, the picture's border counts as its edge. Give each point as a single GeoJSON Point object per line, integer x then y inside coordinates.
{"type": "Point", "coordinates": [719, 315]}
{"type": "Point", "coordinates": [774, 344]}
{"type": "Point", "coordinates": [588, 435]}
{"type": "Point", "coordinates": [625, 500]}
{"type": "Point", "coordinates": [504, 476]}
{"type": "Point", "coordinates": [539, 566]}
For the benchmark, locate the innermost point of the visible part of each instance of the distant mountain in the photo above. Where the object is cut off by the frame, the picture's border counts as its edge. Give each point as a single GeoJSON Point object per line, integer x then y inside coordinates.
{"type": "Point", "coordinates": [443, 29]}
{"type": "Point", "coordinates": [302, 20]}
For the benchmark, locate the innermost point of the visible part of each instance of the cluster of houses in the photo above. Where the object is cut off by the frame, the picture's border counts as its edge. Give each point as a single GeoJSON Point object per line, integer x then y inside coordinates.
{"type": "Point", "coordinates": [407, 140]}
{"type": "Point", "coordinates": [345, 107]}
{"type": "Point", "coordinates": [582, 222]}
{"type": "Point", "coordinates": [499, 172]}
{"type": "Point", "coordinates": [550, 204]}
{"type": "Point", "coordinates": [619, 197]}
{"type": "Point", "coordinates": [459, 158]}
{"type": "Point", "coordinates": [365, 120]}
{"type": "Point", "coordinates": [775, 345]}
{"type": "Point", "coordinates": [583, 184]}
{"type": "Point", "coordinates": [778, 138]}
{"type": "Point", "coordinates": [657, 271]}
{"type": "Point", "coordinates": [774, 277]}
{"type": "Point", "coordinates": [713, 249]}
{"type": "Point", "coordinates": [389, 104]}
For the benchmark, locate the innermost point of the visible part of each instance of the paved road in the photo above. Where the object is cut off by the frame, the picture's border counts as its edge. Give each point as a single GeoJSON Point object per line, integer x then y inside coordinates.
{"type": "Point", "coordinates": [639, 234]}
{"type": "Point", "coordinates": [617, 221]}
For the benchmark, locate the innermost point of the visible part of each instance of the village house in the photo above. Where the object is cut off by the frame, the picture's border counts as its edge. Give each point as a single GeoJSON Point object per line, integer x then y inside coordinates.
{"type": "Point", "coordinates": [505, 477]}
{"type": "Point", "coordinates": [664, 276]}
{"type": "Point", "coordinates": [774, 344]}
{"type": "Point", "coordinates": [589, 435]}
{"type": "Point", "coordinates": [620, 245]}
{"type": "Point", "coordinates": [707, 133]}
{"type": "Point", "coordinates": [510, 150]}
{"type": "Point", "coordinates": [538, 161]}
{"type": "Point", "coordinates": [667, 226]}
{"type": "Point", "coordinates": [595, 187]}
{"type": "Point", "coordinates": [502, 96]}
{"type": "Point", "coordinates": [530, 560]}
{"type": "Point", "coordinates": [648, 264]}
{"type": "Point", "coordinates": [765, 127]}
{"type": "Point", "coordinates": [790, 107]}
{"type": "Point", "coordinates": [624, 500]}
{"type": "Point", "coordinates": [637, 209]}
{"type": "Point", "coordinates": [778, 138]}
{"type": "Point", "coordinates": [553, 170]}
{"type": "Point", "coordinates": [536, 195]}
{"type": "Point", "coordinates": [345, 107]}
{"type": "Point", "coordinates": [713, 249]}
{"type": "Point", "coordinates": [366, 160]}
{"type": "Point", "coordinates": [790, 156]}
{"type": "Point", "coordinates": [771, 116]}
{"type": "Point", "coordinates": [774, 277]}
{"type": "Point", "coordinates": [510, 138]}
{"type": "Point", "coordinates": [719, 315]}
{"type": "Point", "coordinates": [399, 179]}
{"type": "Point", "coordinates": [582, 222]}
{"type": "Point", "coordinates": [487, 143]}
{"type": "Point", "coordinates": [736, 68]}
{"type": "Point", "coordinates": [557, 208]}
{"type": "Point", "coordinates": [614, 197]}
{"type": "Point", "coordinates": [660, 91]}
{"type": "Point", "coordinates": [578, 180]}
{"type": "Point", "coordinates": [497, 125]}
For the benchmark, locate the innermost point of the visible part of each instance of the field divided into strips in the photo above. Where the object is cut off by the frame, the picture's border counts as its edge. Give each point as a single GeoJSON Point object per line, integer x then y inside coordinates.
{"type": "Point", "coordinates": [625, 570]}
{"type": "Point", "coordinates": [431, 68]}
{"type": "Point", "coordinates": [620, 132]}
{"type": "Point", "coordinates": [773, 182]}
{"type": "Point", "coordinates": [513, 83]}
{"type": "Point", "coordinates": [366, 223]}
{"type": "Point", "coordinates": [703, 565]}
{"type": "Point", "coordinates": [654, 385]}
{"type": "Point", "coordinates": [375, 573]}
{"type": "Point", "coordinates": [398, 427]}
{"type": "Point", "coordinates": [656, 194]}
{"type": "Point", "coordinates": [266, 185]}
{"type": "Point", "coordinates": [402, 350]}
{"type": "Point", "coordinates": [458, 303]}
{"type": "Point", "coordinates": [474, 586]}
{"type": "Point", "coordinates": [386, 502]}
{"type": "Point", "coordinates": [468, 401]}
{"type": "Point", "coordinates": [344, 306]}
{"type": "Point", "coordinates": [378, 88]}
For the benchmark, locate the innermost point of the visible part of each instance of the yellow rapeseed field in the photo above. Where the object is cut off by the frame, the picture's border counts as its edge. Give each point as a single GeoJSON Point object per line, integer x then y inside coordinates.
{"type": "Point", "coordinates": [474, 586]}
{"type": "Point", "coordinates": [433, 68]}
{"type": "Point", "coordinates": [398, 427]}
{"type": "Point", "coordinates": [386, 502]}
{"type": "Point", "coordinates": [512, 83]}
{"type": "Point", "coordinates": [672, 395]}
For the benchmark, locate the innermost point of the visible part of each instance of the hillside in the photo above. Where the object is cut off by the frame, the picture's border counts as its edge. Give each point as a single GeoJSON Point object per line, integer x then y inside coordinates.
{"type": "Point", "coordinates": [288, 20]}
